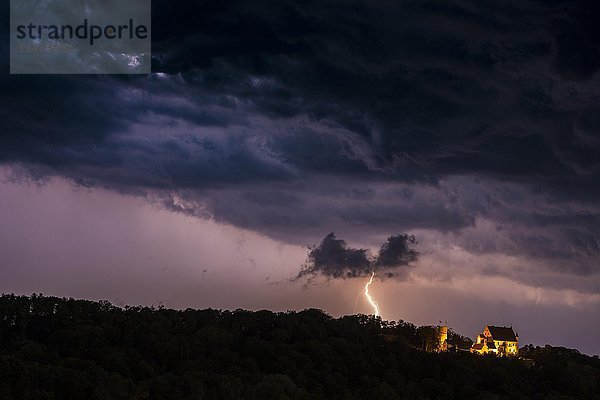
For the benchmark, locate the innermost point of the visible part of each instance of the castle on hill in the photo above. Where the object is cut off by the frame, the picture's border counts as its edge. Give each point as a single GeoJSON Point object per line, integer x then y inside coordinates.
{"type": "Point", "coordinates": [498, 340]}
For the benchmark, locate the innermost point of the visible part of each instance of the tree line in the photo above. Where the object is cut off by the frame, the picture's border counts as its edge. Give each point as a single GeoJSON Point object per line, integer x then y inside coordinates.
{"type": "Point", "coordinates": [56, 348]}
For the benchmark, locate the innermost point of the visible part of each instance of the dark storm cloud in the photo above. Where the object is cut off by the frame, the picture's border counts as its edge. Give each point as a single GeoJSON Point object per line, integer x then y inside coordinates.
{"type": "Point", "coordinates": [359, 209]}
{"type": "Point", "coordinates": [292, 117]}
{"type": "Point", "coordinates": [519, 221]}
{"type": "Point", "coordinates": [429, 88]}
{"type": "Point", "coordinates": [333, 258]}
{"type": "Point", "coordinates": [450, 87]}
{"type": "Point", "coordinates": [397, 251]}
{"type": "Point", "coordinates": [103, 131]}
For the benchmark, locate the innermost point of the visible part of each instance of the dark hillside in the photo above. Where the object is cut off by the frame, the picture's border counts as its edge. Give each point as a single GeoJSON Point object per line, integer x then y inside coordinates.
{"type": "Point", "coordinates": [53, 348]}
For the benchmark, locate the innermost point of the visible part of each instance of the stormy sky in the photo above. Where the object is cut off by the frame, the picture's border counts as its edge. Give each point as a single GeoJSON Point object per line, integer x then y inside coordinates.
{"type": "Point", "coordinates": [267, 125]}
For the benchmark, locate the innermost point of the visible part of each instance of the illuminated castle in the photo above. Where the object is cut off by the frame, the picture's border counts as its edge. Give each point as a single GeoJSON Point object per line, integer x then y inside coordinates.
{"type": "Point", "coordinates": [499, 340]}
{"type": "Point", "coordinates": [443, 338]}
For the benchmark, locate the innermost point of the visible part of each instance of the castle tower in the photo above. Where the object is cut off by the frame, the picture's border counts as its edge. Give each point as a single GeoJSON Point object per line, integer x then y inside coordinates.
{"type": "Point", "coordinates": [443, 336]}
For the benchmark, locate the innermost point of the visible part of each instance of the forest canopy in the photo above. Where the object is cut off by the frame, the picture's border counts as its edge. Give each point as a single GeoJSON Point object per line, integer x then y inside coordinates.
{"type": "Point", "coordinates": [53, 348]}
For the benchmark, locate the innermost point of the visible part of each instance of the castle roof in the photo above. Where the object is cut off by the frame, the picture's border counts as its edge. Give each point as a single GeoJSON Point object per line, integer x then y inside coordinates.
{"type": "Point", "coordinates": [502, 333]}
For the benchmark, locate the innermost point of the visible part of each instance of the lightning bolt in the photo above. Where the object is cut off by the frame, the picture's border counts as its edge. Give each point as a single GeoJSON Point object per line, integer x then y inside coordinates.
{"type": "Point", "coordinates": [369, 298]}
